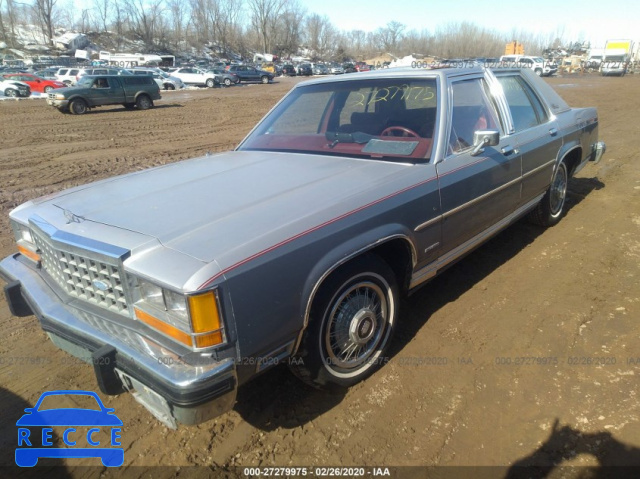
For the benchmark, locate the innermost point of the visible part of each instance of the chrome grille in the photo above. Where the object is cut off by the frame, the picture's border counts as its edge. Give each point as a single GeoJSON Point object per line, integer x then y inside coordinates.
{"type": "Point", "coordinates": [78, 274]}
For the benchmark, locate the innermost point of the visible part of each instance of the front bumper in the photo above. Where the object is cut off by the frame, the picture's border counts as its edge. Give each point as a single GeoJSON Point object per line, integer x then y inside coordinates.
{"type": "Point", "coordinates": [170, 388]}
{"type": "Point", "coordinates": [598, 151]}
{"type": "Point", "coordinates": [58, 103]}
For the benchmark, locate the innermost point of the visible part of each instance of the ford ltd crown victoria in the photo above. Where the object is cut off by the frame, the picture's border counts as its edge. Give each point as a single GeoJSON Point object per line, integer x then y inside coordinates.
{"type": "Point", "coordinates": [181, 282]}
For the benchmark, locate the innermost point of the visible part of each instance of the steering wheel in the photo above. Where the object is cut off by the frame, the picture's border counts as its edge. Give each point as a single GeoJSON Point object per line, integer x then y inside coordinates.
{"type": "Point", "coordinates": [406, 132]}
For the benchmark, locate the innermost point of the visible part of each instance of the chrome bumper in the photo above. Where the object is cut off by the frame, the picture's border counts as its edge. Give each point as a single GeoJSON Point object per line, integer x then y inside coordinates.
{"type": "Point", "coordinates": [58, 103]}
{"type": "Point", "coordinates": [171, 388]}
{"type": "Point", "coordinates": [598, 150]}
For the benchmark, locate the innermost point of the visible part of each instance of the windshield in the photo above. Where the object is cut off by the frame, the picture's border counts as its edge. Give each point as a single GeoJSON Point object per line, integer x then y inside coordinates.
{"type": "Point", "coordinates": [383, 118]}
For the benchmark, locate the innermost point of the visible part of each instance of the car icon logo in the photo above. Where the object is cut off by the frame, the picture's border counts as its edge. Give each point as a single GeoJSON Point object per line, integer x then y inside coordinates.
{"type": "Point", "coordinates": [82, 430]}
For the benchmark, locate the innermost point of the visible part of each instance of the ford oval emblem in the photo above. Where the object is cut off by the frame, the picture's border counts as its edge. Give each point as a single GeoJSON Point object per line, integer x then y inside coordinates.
{"type": "Point", "coordinates": [101, 285]}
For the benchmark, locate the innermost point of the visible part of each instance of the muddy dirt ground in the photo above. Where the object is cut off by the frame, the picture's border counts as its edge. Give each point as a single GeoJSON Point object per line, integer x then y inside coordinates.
{"type": "Point", "coordinates": [456, 392]}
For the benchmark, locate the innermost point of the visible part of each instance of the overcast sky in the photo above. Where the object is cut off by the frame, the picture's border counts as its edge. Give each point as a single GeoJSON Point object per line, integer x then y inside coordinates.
{"type": "Point", "coordinates": [593, 20]}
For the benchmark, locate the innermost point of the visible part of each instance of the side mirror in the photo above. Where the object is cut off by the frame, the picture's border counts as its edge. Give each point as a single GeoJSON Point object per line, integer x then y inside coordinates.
{"type": "Point", "coordinates": [483, 138]}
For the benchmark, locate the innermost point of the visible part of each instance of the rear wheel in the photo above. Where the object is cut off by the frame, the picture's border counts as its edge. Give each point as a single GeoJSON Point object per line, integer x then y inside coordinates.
{"type": "Point", "coordinates": [143, 102]}
{"type": "Point", "coordinates": [48, 88]}
{"type": "Point", "coordinates": [551, 208]}
{"type": "Point", "coordinates": [169, 86]}
{"type": "Point", "coordinates": [78, 106]}
{"type": "Point", "coordinates": [351, 323]}
{"type": "Point", "coordinates": [538, 72]}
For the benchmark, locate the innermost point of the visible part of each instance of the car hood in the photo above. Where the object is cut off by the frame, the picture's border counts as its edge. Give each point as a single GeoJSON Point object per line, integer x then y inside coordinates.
{"type": "Point", "coordinates": [238, 201]}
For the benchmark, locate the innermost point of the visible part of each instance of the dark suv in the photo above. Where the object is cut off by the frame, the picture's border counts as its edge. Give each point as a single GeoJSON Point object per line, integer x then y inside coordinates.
{"type": "Point", "coordinates": [289, 70]}
{"type": "Point", "coordinates": [304, 69]}
{"type": "Point", "coordinates": [247, 73]}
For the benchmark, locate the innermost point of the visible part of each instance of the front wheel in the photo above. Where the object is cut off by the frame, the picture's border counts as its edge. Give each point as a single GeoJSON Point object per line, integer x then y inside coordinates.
{"type": "Point", "coordinates": [169, 86]}
{"type": "Point", "coordinates": [144, 102]}
{"type": "Point", "coordinates": [210, 83]}
{"type": "Point", "coordinates": [227, 82]}
{"type": "Point", "coordinates": [551, 207]}
{"type": "Point", "coordinates": [78, 106]}
{"type": "Point", "coordinates": [351, 323]}
{"type": "Point", "coordinates": [10, 92]}
{"type": "Point", "coordinates": [264, 79]}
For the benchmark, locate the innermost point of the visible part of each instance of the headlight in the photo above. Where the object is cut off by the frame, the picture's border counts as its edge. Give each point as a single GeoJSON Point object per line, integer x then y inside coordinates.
{"type": "Point", "coordinates": [24, 240]}
{"type": "Point", "coordinates": [59, 96]}
{"type": "Point", "coordinates": [193, 320]}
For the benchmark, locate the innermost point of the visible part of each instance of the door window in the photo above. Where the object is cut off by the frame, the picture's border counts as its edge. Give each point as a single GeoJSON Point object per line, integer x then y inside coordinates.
{"type": "Point", "coordinates": [526, 109]}
{"type": "Point", "coordinates": [472, 111]}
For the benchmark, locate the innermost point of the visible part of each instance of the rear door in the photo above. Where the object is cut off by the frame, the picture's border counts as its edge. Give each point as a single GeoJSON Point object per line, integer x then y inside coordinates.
{"type": "Point", "coordinates": [478, 191]}
{"type": "Point", "coordinates": [536, 134]}
{"type": "Point", "coordinates": [242, 73]}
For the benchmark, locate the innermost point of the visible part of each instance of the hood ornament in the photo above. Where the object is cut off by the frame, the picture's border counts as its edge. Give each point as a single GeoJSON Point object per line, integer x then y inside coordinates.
{"type": "Point", "coordinates": [71, 218]}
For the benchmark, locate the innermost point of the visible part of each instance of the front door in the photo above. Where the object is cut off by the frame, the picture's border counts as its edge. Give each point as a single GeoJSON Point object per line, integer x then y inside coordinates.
{"type": "Point", "coordinates": [477, 191]}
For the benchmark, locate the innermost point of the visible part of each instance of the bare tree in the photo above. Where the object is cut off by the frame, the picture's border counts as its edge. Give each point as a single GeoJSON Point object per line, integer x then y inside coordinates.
{"type": "Point", "coordinates": [389, 36]}
{"type": "Point", "coordinates": [177, 11]}
{"type": "Point", "coordinates": [321, 35]}
{"type": "Point", "coordinates": [45, 10]}
{"type": "Point", "coordinates": [287, 29]}
{"type": "Point", "coordinates": [103, 7]}
{"type": "Point", "coordinates": [3, 31]}
{"type": "Point", "coordinates": [263, 16]}
{"type": "Point", "coordinates": [357, 40]}
{"type": "Point", "coordinates": [200, 17]}
{"type": "Point", "coordinates": [228, 23]}
{"type": "Point", "coordinates": [118, 19]}
{"type": "Point", "coordinates": [145, 19]}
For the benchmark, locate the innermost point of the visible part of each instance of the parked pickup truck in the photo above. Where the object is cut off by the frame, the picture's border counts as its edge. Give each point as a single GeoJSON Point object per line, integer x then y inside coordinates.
{"type": "Point", "coordinates": [181, 282]}
{"type": "Point", "coordinates": [97, 90]}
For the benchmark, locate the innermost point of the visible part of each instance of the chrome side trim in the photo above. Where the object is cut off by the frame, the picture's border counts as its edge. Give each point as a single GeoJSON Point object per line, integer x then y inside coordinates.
{"type": "Point", "coordinates": [431, 269]}
{"type": "Point", "coordinates": [426, 224]}
{"type": "Point", "coordinates": [316, 286]}
{"type": "Point", "coordinates": [541, 167]}
{"type": "Point", "coordinates": [481, 197]}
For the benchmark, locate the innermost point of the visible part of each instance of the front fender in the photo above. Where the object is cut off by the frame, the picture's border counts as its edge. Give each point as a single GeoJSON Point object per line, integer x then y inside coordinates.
{"type": "Point", "coordinates": [345, 252]}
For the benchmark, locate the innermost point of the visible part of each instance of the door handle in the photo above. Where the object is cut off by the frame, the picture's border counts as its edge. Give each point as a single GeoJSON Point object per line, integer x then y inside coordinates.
{"type": "Point", "coordinates": [553, 131]}
{"type": "Point", "coordinates": [508, 150]}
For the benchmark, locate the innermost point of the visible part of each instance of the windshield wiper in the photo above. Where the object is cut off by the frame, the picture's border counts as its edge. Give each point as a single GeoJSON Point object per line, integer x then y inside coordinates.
{"type": "Point", "coordinates": [356, 137]}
